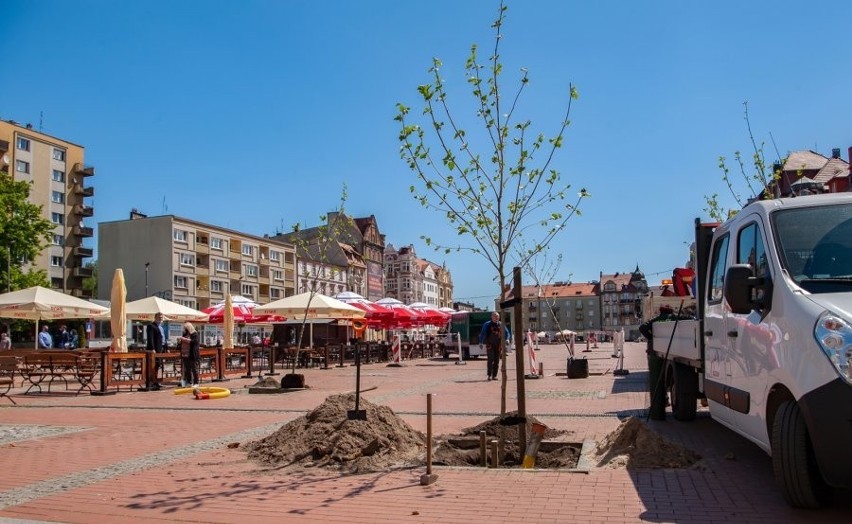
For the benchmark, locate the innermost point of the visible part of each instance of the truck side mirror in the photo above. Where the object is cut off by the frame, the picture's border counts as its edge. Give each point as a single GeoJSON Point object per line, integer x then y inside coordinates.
{"type": "Point", "coordinates": [739, 285]}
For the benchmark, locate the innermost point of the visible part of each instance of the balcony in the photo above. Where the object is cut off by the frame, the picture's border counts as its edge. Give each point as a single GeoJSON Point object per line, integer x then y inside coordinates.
{"type": "Point", "coordinates": [84, 210]}
{"type": "Point", "coordinates": [82, 231]}
{"type": "Point", "coordinates": [81, 293]}
{"type": "Point", "coordinates": [84, 191]}
{"type": "Point", "coordinates": [83, 272]}
{"type": "Point", "coordinates": [80, 251]}
{"type": "Point", "coordinates": [84, 170]}
{"type": "Point", "coordinates": [4, 146]}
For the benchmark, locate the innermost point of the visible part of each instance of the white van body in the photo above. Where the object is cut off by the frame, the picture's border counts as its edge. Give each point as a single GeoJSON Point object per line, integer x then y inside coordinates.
{"type": "Point", "coordinates": [775, 338]}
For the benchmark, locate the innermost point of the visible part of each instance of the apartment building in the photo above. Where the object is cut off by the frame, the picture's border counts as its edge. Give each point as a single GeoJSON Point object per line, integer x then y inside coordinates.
{"type": "Point", "coordinates": [622, 297]}
{"type": "Point", "coordinates": [562, 305]}
{"type": "Point", "coordinates": [58, 174]}
{"type": "Point", "coordinates": [411, 279]}
{"type": "Point", "coordinates": [192, 263]}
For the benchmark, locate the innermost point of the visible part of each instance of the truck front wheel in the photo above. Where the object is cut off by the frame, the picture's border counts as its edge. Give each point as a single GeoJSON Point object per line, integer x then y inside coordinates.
{"type": "Point", "coordinates": [684, 392]}
{"type": "Point", "coordinates": [793, 460]}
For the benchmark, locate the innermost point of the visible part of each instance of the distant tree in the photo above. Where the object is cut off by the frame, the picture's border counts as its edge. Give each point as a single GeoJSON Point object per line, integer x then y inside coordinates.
{"type": "Point", "coordinates": [758, 179]}
{"type": "Point", "coordinates": [495, 199]}
{"type": "Point", "coordinates": [24, 233]}
{"type": "Point", "coordinates": [91, 283]}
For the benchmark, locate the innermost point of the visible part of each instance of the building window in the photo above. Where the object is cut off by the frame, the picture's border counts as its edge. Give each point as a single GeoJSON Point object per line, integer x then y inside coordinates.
{"type": "Point", "coordinates": [273, 255]}
{"type": "Point", "coordinates": [180, 235]}
{"type": "Point", "coordinates": [22, 167]}
{"type": "Point", "coordinates": [186, 259]}
{"type": "Point", "coordinates": [59, 154]}
{"type": "Point", "coordinates": [56, 261]}
{"type": "Point", "coordinates": [277, 274]}
{"type": "Point", "coordinates": [221, 265]}
{"type": "Point", "coordinates": [57, 218]}
{"type": "Point", "coordinates": [247, 290]}
{"type": "Point", "coordinates": [180, 282]}
{"type": "Point", "coordinates": [23, 144]}
{"type": "Point", "coordinates": [274, 293]}
{"type": "Point", "coordinates": [216, 285]}
{"type": "Point", "coordinates": [248, 250]}
{"type": "Point", "coordinates": [58, 175]}
{"type": "Point", "coordinates": [215, 243]}
{"type": "Point", "coordinates": [250, 270]}
{"type": "Point", "coordinates": [57, 197]}
{"type": "Point", "coordinates": [58, 240]}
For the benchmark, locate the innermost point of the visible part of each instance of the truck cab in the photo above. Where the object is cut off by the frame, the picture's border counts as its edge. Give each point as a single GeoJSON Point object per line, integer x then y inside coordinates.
{"type": "Point", "coordinates": [774, 335]}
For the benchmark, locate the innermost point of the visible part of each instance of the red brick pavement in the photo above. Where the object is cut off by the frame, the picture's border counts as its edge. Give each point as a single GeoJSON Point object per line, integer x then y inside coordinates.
{"type": "Point", "coordinates": [158, 456]}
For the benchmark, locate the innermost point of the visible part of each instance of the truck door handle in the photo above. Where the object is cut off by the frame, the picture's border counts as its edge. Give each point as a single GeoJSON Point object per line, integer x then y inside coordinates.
{"type": "Point", "coordinates": [732, 334]}
{"type": "Point", "coordinates": [708, 333]}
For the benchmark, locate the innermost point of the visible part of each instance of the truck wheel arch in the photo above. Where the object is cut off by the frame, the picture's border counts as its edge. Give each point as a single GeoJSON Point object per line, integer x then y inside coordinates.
{"type": "Point", "coordinates": [778, 394]}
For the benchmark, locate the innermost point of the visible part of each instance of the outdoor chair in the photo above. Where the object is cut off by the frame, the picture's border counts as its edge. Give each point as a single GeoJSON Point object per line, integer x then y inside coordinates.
{"type": "Point", "coordinates": [8, 368]}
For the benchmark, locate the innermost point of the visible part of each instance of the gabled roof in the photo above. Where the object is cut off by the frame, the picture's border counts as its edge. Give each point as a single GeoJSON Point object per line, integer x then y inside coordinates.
{"type": "Point", "coordinates": [581, 289]}
{"type": "Point", "coordinates": [804, 160]}
{"type": "Point", "coordinates": [835, 167]}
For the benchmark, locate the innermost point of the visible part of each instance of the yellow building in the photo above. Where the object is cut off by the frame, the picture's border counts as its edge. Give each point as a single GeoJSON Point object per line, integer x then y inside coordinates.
{"type": "Point", "coordinates": [58, 175]}
{"type": "Point", "coordinates": [192, 263]}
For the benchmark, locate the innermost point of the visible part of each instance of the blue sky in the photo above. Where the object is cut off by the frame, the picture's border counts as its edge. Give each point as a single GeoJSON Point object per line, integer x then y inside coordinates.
{"type": "Point", "coordinates": [251, 115]}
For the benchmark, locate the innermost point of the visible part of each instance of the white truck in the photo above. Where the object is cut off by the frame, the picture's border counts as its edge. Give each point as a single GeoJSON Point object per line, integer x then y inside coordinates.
{"type": "Point", "coordinates": [771, 347]}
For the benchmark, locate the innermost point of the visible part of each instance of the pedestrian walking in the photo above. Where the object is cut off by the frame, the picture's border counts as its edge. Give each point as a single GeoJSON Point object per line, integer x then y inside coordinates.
{"type": "Point", "coordinates": [190, 355]}
{"type": "Point", "coordinates": [156, 342]}
{"type": "Point", "coordinates": [495, 336]}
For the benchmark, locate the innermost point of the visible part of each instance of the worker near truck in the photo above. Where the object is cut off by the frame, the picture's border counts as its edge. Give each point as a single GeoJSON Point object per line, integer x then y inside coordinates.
{"type": "Point", "coordinates": [495, 336]}
{"type": "Point", "coordinates": [655, 363]}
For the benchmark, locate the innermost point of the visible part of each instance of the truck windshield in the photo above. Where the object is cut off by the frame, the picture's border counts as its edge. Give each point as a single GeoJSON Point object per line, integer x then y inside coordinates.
{"type": "Point", "coordinates": [816, 246]}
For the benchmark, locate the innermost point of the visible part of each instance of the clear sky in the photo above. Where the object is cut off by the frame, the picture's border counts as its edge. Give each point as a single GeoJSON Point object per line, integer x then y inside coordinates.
{"type": "Point", "coordinates": [251, 115]}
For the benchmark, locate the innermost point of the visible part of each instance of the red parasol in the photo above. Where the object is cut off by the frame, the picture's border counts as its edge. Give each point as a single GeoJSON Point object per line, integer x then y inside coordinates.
{"type": "Point", "coordinates": [243, 309]}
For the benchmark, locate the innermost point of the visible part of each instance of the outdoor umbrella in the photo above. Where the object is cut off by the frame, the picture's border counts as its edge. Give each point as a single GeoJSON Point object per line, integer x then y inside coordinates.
{"type": "Point", "coordinates": [431, 315]}
{"type": "Point", "coordinates": [311, 305]}
{"type": "Point", "coordinates": [242, 310]}
{"type": "Point", "coordinates": [118, 318]}
{"type": "Point", "coordinates": [377, 315]}
{"type": "Point", "coordinates": [404, 317]}
{"type": "Point", "coordinates": [144, 310]}
{"type": "Point", "coordinates": [39, 303]}
{"type": "Point", "coordinates": [228, 321]}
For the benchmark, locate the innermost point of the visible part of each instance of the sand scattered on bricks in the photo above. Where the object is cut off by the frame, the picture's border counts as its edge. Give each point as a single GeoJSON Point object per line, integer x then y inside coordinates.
{"type": "Point", "coordinates": [326, 438]}
{"type": "Point", "coordinates": [634, 445]}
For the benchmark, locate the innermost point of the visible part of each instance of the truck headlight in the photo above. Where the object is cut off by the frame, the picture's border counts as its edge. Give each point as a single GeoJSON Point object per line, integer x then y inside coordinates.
{"type": "Point", "coordinates": [834, 336]}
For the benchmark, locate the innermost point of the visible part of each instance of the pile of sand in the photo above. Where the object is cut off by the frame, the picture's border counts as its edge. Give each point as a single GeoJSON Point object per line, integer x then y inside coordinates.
{"type": "Point", "coordinates": [634, 445]}
{"type": "Point", "coordinates": [462, 449]}
{"type": "Point", "coordinates": [326, 438]}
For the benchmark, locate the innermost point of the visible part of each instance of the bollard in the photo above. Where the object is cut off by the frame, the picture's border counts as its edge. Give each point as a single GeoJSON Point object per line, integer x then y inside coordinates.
{"type": "Point", "coordinates": [537, 433]}
{"type": "Point", "coordinates": [483, 450]}
{"type": "Point", "coordinates": [541, 369]}
{"type": "Point", "coordinates": [495, 457]}
{"type": "Point", "coordinates": [428, 478]}
{"type": "Point", "coordinates": [396, 352]}
{"type": "Point", "coordinates": [460, 361]}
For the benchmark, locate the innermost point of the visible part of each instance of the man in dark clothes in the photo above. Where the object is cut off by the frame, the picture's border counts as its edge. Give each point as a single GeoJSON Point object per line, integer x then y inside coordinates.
{"type": "Point", "coordinates": [156, 341]}
{"type": "Point", "coordinates": [494, 335]}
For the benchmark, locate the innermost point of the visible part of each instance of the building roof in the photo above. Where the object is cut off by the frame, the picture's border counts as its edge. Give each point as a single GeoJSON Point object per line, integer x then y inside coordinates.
{"type": "Point", "coordinates": [560, 290]}
{"type": "Point", "coordinates": [804, 160]}
{"type": "Point", "coordinates": [833, 168]}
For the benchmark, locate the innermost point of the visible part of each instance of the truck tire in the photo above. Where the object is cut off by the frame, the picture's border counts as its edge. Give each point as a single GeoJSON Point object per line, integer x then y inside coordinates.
{"type": "Point", "coordinates": [793, 460]}
{"type": "Point", "coordinates": [683, 392]}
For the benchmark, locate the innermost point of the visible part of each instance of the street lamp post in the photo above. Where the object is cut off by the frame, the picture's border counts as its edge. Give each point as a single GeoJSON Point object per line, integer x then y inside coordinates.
{"type": "Point", "coordinates": [146, 278]}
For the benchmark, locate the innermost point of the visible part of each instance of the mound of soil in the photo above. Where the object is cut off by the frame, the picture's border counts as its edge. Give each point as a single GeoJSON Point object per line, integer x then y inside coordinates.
{"type": "Point", "coordinates": [326, 438]}
{"type": "Point", "coordinates": [634, 445]}
{"type": "Point", "coordinates": [462, 449]}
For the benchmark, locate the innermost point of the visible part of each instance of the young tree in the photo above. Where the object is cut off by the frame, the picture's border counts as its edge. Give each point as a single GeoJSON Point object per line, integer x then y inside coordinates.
{"type": "Point", "coordinates": [492, 199]}
{"type": "Point", "coordinates": [495, 199]}
{"type": "Point", "coordinates": [24, 233]}
{"type": "Point", "coordinates": [317, 248]}
{"type": "Point", "coordinates": [760, 180]}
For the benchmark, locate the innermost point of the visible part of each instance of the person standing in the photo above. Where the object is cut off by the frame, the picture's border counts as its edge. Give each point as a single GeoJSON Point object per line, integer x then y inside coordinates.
{"type": "Point", "coordinates": [494, 335]}
{"type": "Point", "coordinates": [45, 341]}
{"type": "Point", "coordinates": [5, 341]}
{"type": "Point", "coordinates": [156, 342]}
{"type": "Point", "coordinates": [190, 355]}
{"type": "Point", "coordinates": [62, 338]}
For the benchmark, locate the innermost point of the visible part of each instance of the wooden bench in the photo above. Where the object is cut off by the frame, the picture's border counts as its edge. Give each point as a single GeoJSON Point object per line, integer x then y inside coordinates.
{"type": "Point", "coordinates": [8, 368]}
{"type": "Point", "coordinates": [65, 366]}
